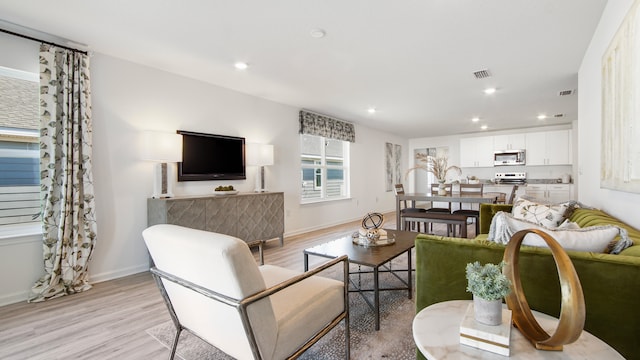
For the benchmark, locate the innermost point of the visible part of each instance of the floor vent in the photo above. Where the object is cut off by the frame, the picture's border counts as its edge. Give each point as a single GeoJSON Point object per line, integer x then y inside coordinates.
{"type": "Point", "coordinates": [481, 74]}
{"type": "Point", "coordinates": [565, 93]}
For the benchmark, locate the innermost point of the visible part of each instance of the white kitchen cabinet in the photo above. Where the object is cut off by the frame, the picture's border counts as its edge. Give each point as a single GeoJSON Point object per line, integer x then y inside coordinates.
{"type": "Point", "coordinates": [548, 193]}
{"type": "Point", "coordinates": [509, 142]}
{"type": "Point", "coordinates": [476, 152]}
{"type": "Point", "coordinates": [548, 148]}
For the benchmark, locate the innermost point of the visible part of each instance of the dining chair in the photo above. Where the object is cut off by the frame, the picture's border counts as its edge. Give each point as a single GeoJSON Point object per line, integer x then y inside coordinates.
{"type": "Point", "coordinates": [512, 196]}
{"type": "Point", "coordinates": [433, 208]}
{"type": "Point", "coordinates": [470, 189]}
{"type": "Point", "coordinates": [214, 289]}
{"type": "Point", "coordinates": [434, 190]}
{"type": "Point", "coordinates": [407, 210]}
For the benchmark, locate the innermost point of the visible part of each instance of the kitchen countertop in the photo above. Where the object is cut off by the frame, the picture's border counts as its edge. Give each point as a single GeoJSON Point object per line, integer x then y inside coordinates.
{"type": "Point", "coordinates": [546, 181]}
{"type": "Point", "coordinates": [529, 181]}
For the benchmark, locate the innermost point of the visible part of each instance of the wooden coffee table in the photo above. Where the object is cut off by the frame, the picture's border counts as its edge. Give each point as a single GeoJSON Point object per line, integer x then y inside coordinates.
{"type": "Point", "coordinates": [375, 257]}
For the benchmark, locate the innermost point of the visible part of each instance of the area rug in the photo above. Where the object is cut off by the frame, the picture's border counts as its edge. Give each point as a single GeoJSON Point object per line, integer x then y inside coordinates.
{"type": "Point", "coordinates": [394, 340]}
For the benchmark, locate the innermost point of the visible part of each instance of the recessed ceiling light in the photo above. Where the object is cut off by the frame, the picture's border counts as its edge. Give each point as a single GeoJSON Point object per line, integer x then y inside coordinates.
{"type": "Point", "coordinates": [489, 91]}
{"type": "Point", "coordinates": [484, 127]}
{"type": "Point", "coordinates": [241, 65]}
{"type": "Point", "coordinates": [318, 33]}
{"type": "Point", "coordinates": [542, 117]}
{"type": "Point", "coordinates": [475, 119]}
{"type": "Point", "coordinates": [371, 110]}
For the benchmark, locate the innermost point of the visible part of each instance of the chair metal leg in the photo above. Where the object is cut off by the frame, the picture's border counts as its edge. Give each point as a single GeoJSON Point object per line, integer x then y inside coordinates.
{"type": "Point", "coordinates": [347, 338]}
{"type": "Point", "coordinates": [175, 343]}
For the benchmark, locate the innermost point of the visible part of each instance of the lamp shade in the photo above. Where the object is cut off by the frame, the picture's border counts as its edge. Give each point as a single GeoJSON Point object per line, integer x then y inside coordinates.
{"type": "Point", "coordinates": [161, 146]}
{"type": "Point", "coordinates": [259, 154]}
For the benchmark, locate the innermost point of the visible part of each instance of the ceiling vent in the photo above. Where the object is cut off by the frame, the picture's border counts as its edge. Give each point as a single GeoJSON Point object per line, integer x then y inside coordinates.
{"type": "Point", "coordinates": [558, 116]}
{"type": "Point", "coordinates": [481, 74]}
{"type": "Point", "coordinates": [565, 93]}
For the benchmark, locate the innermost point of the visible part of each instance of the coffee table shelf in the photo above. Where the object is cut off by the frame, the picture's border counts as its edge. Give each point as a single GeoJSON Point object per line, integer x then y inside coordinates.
{"type": "Point", "coordinates": [374, 257]}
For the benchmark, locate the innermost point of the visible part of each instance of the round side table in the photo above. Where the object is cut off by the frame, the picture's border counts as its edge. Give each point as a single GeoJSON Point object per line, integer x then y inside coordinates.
{"type": "Point", "coordinates": [436, 331]}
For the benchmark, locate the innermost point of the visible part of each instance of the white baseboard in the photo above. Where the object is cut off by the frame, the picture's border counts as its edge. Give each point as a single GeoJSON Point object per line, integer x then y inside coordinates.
{"type": "Point", "coordinates": [97, 278]}
{"type": "Point", "coordinates": [13, 298]}
{"type": "Point", "coordinates": [7, 299]}
{"type": "Point", "coordinates": [324, 226]}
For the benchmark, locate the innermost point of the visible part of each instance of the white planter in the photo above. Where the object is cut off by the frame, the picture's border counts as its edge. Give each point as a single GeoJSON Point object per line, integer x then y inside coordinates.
{"type": "Point", "coordinates": [488, 312]}
{"type": "Point", "coordinates": [442, 190]}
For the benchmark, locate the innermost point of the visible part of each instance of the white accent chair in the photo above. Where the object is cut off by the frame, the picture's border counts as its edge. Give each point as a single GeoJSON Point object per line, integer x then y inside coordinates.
{"type": "Point", "coordinates": [213, 288]}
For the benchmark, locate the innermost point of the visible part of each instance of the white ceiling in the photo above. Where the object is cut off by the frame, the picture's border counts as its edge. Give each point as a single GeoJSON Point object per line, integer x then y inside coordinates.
{"type": "Point", "coordinates": [413, 60]}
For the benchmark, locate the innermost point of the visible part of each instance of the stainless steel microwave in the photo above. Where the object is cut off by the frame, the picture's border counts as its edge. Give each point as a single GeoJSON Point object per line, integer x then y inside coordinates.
{"type": "Point", "coordinates": [509, 157]}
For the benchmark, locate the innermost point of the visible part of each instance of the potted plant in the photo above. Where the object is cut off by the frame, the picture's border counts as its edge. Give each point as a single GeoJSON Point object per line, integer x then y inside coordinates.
{"type": "Point", "coordinates": [488, 285]}
{"type": "Point", "coordinates": [438, 166]}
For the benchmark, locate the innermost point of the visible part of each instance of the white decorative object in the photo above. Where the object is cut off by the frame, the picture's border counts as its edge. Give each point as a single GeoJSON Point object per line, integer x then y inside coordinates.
{"type": "Point", "coordinates": [225, 192]}
{"type": "Point", "coordinates": [488, 312]}
{"type": "Point", "coordinates": [491, 338]}
{"type": "Point", "coordinates": [371, 233]}
{"type": "Point", "coordinates": [260, 155]}
{"type": "Point", "coordinates": [619, 160]}
{"type": "Point", "coordinates": [442, 190]}
{"type": "Point", "coordinates": [162, 148]}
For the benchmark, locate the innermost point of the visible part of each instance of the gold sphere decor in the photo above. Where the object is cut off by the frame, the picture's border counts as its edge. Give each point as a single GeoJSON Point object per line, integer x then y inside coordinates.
{"type": "Point", "coordinates": [572, 312]}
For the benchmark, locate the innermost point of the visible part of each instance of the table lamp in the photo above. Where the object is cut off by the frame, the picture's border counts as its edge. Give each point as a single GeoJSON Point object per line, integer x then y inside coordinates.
{"type": "Point", "coordinates": [162, 148]}
{"type": "Point", "coordinates": [260, 155]}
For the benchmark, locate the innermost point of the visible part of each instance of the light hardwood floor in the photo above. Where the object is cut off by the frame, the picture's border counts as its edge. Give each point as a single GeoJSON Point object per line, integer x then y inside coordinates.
{"type": "Point", "coordinates": [109, 321]}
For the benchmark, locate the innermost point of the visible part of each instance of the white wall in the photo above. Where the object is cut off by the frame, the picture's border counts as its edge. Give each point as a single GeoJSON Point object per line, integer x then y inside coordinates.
{"type": "Point", "coordinates": [620, 204]}
{"type": "Point", "coordinates": [129, 98]}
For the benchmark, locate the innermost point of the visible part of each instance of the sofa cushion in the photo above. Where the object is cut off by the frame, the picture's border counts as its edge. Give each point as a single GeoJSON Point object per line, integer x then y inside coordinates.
{"type": "Point", "coordinates": [547, 215]}
{"type": "Point", "coordinates": [593, 239]}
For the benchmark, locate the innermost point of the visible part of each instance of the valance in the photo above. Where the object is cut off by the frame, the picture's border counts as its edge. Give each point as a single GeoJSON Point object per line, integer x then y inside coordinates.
{"type": "Point", "coordinates": [321, 125]}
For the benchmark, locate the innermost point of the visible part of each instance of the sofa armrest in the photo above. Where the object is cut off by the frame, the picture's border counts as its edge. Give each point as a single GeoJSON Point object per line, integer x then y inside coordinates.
{"type": "Point", "coordinates": [487, 211]}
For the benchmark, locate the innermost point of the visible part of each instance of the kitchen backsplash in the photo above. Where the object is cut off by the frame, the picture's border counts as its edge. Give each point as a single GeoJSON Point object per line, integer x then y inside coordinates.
{"type": "Point", "coordinates": [533, 172]}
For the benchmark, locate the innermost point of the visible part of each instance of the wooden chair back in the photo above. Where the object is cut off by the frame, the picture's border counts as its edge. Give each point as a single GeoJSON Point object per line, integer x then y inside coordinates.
{"type": "Point", "coordinates": [398, 189]}
{"type": "Point", "coordinates": [434, 190]}
{"type": "Point", "coordinates": [512, 196]}
{"type": "Point", "coordinates": [468, 189]}
{"type": "Point", "coordinates": [471, 189]}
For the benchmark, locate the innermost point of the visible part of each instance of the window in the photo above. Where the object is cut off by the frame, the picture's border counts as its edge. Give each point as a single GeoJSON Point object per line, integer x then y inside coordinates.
{"type": "Point", "coordinates": [325, 168]}
{"type": "Point", "coordinates": [19, 150]}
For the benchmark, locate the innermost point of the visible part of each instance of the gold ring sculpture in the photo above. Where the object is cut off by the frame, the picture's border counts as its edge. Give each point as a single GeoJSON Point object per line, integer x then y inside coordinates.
{"type": "Point", "coordinates": [572, 312]}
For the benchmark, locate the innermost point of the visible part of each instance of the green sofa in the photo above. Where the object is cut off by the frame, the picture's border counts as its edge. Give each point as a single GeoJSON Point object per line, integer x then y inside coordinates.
{"type": "Point", "coordinates": [611, 283]}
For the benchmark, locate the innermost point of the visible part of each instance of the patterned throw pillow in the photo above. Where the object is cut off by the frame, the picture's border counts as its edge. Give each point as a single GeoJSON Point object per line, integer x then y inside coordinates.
{"type": "Point", "coordinates": [593, 238]}
{"type": "Point", "coordinates": [547, 215]}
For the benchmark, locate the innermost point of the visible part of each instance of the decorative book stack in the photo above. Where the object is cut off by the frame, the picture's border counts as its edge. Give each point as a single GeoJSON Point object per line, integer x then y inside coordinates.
{"type": "Point", "coordinates": [486, 337]}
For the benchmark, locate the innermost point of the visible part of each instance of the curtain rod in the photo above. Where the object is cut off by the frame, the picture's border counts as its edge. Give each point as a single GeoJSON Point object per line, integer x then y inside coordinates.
{"type": "Point", "coordinates": [42, 41]}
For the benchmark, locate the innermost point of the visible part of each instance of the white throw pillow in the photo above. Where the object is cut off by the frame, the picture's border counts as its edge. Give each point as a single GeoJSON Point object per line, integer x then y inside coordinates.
{"type": "Point", "coordinates": [568, 225]}
{"type": "Point", "coordinates": [593, 238]}
{"type": "Point", "coordinates": [549, 215]}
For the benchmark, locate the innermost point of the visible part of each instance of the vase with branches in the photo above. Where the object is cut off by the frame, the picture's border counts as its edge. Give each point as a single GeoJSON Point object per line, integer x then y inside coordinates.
{"type": "Point", "coordinates": [436, 165]}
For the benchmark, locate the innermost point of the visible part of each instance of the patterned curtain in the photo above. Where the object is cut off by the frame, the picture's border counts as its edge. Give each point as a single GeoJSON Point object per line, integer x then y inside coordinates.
{"type": "Point", "coordinates": [320, 125]}
{"type": "Point", "coordinates": [69, 225]}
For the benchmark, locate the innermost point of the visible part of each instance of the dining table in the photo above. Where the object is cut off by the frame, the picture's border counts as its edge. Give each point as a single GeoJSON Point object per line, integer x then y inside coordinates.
{"type": "Point", "coordinates": [452, 197]}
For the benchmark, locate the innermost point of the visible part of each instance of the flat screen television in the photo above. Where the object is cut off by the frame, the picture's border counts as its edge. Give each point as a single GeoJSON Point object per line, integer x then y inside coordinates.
{"type": "Point", "coordinates": [211, 157]}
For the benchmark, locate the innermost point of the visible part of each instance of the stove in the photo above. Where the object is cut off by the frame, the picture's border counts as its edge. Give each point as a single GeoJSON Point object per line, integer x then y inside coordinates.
{"type": "Point", "coordinates": [511, 178]}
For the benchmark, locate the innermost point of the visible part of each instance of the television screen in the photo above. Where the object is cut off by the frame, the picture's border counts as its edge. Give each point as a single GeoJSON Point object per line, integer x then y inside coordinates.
{"type": "Point", "coordinates": [211, 157]}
